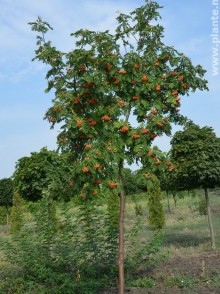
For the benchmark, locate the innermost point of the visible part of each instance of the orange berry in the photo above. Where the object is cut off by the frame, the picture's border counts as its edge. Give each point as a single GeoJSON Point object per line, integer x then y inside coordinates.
{"type": "Point", "coordinates": [144, 78]}
{"type": "Point", "coordinates": [82, 67]}
{"type": "Point", "coordinates": [153, 111]}
{"type": "Point", "coordinates": [98, 182]}
{"type": "Point", "coordinates": [160, 124]}
{"type": "Point", "coordinates": [108, 67]}
{"type": "Point", "coordinates": [124, 129]}
{"type": "Point", "coordinates": [135, 136]}
{"type": "Point", "coordinates": [57, 109]}
{"type": "Point", "coordinates": [175, 92]}
{"type": "Point", "coordinates": [76, 100]}
{"type": "Point", "coordinates": [88, 136]}
{"type": "Point", "coordinates": [92, 101]}
{"type": "Point", "coordinates": [150, 153]}
{"type": "Point", "coordinates": [174, 73]}
{"type": "Point", "coordinates": [121, 103]}
{"type": "Point", "coordinates": [52, 120]}
{"type": "Point", "coordinates": [106, 118]}
{"type": "Point", "coordinates": [137, 66]}
{"type": "Point", "coordinates": [97, 166]}
{"type": "Point", "coordinates": [152, 136]}
{"type": "Point", "coordinates": [92, 122]}
{"type": "Point", "coordinates": [158, 88]}
{"type": "Point", "coordinates": [185, 86]}
{"type": "Point", "coordinates": [112, 185]}
{"type": "Point", "coordinates": [135, 97]}
{"type": "Point", "coordinates": [79, 123]}
{"type": "Point", "coordinates": [158, 162]}
{"type": "Point", "coordinates": [122, 72]}
{"type": "Point", "coordinates": [145, 131]}
{"type": "Point", "coordinates": [180, 78]}
{"type": "Point", "coordinates": [157, 63]}
{"type": "Point", "coordinates": [88, 147]}
{"type": "Point", "coordinates": [85, 169]}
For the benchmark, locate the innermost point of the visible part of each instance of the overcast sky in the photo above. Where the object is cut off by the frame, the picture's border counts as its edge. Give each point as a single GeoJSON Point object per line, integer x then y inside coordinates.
{"type": "Point", "coordinates": [188, 27]}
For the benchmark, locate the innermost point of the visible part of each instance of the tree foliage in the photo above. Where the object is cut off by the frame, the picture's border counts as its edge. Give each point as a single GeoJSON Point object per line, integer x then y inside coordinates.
{"type": "Point", "coordinates": [42, 172]}
{"type": "Point", "coordinates": [6, 192]}
{"type": "Point", "coordinates": [196, 152]}
{"type": "Point", "coordinates": [107, 79]}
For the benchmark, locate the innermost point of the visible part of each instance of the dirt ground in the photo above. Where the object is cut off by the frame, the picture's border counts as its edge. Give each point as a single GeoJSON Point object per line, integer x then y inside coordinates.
{"type": "Point", "coordinates": [204, 269]}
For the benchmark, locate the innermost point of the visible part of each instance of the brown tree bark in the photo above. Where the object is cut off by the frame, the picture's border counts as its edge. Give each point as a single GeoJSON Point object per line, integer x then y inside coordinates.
{"type": "Point", "coordinates": [210, 220]}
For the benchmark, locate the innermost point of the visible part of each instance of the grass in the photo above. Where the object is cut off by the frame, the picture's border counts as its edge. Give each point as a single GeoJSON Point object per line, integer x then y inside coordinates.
{"type": "Point", "coordinates": [185, 227]}
{"type": "Point", "coordinates": [186, 235]}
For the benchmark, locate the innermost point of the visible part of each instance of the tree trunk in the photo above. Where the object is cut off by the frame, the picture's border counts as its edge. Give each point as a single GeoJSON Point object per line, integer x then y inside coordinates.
{"type": "Point", "coordinates": [174, 199]}
{"type": "Point", "coordinates": [168, 202]}
{"type": "Point", "coordinates": [209, 219]}
{"type": "Point", "coordinates": [121, 233]}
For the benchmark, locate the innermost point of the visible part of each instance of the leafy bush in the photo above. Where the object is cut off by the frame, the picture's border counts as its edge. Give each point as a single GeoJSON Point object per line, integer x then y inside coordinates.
{"type": "Point", "coordinates": [201, 208]}
{"type": "Point", "coordinates": [73, 255]}
{"type": "Point", "coordinates": [142, 255]}
{"type": "Point", "coordinates": [76, 252]}
{"type": "Point", "coordinates": [143, 283]}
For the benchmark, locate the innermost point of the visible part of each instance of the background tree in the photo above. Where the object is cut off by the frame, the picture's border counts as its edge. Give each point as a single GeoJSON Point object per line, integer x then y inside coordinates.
{"type": "Point", "coordinates": [196, 152]}
{"type": "Point", "coordinates": [130, 184]}
{"type": "Point", "coordinates": [6, 194]}
{"type": "Point", "coordinates": [101, 84]}
{"type": "Point", "coordinates": [42, 173]}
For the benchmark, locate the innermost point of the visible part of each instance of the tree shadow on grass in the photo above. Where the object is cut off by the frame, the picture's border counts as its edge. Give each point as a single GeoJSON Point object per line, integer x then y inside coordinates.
{"type": "Point", "coordinates": [184, 240]}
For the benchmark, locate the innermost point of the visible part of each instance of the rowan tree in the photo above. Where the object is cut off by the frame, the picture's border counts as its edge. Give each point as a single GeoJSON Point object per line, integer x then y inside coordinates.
{"type": "Point", "coordinates": [108, 81]}
{"type": "Point", "coordinates": [196, 153]}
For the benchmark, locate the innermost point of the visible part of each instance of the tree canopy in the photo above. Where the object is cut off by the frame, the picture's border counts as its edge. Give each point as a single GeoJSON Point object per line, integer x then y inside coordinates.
{"type": "Point", "coordinates": [42, 172]}
{"type": "Point", "coordinates": [109, 78]}
{"type": "Point", "coordinates": [196, 153]}
{"type": "Point", "coordinates": [6, 192]}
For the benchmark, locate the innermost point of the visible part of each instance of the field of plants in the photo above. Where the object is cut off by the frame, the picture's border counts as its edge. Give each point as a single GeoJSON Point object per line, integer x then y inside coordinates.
{"type": "Point", "coordinates": [60, 248]}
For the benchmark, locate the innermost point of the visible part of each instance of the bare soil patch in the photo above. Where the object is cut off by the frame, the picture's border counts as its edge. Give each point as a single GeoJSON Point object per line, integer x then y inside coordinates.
{"type": "Point", "coordinates": [198, 274]}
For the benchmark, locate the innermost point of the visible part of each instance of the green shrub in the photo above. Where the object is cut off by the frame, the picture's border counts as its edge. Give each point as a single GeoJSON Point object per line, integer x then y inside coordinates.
{"type": "Point", "coordinates": [76, 255]}
{"type": "Point", "coordinates": [2, 215]}
{"type": "Point", "coordinates": [143, 283]}
{"type": "Point", "coordinates": [201, 208]}
{"type": "Point", "coordinates": [17, 212]}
